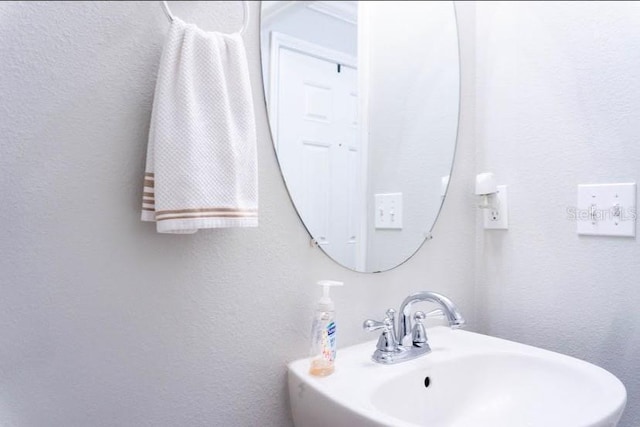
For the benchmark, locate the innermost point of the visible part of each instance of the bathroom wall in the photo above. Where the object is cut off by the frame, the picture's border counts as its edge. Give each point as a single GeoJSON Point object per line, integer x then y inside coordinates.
{"type": "Point", "coordinates": [105, 322]}
{"type": "Point", "coordinates": [558, 95]}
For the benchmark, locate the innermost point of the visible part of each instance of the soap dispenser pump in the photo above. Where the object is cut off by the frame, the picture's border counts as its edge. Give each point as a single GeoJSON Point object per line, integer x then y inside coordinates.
{"type": "Point", "coordinates": [323, 333]}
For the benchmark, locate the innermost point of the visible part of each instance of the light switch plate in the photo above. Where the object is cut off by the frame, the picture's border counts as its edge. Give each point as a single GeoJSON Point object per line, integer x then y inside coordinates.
{"type": "Point", "coordinates": [497, 218]}
{"type": "Point", "coordinates": [606, 209]}
{"type": "Point", "coordinates": [388, 211]}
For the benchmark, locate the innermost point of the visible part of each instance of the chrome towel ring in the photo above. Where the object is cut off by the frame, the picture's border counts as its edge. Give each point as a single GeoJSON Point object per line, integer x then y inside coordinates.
{"type": "Point", "coordinates": [245, 9]}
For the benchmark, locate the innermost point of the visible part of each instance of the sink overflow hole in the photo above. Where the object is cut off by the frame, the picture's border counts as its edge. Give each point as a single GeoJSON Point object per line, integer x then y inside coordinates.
{"type": "Point", "coordinates": [427, 381]}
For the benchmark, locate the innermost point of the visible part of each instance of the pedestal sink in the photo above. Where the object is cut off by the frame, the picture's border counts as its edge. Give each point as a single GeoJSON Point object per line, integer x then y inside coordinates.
{"type": "Point", "coordinates": [468, 380]}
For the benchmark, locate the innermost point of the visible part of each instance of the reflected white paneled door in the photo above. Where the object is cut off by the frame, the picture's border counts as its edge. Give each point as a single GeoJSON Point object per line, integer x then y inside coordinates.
{"type": "Point", "coordinates": [317, 127]}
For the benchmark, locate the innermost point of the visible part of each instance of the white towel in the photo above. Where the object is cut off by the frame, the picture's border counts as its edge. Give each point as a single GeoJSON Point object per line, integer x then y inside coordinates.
{"type": "Point", "coordinates": [201, 159]}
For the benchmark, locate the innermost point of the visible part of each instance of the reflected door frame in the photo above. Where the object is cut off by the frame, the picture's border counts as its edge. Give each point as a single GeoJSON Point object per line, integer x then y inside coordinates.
{"type": "Point", "coordinates": [280, 41]}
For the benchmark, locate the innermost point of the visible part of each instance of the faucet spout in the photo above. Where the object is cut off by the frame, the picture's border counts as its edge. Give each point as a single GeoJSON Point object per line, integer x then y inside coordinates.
{"type": "Point", "coordinates": [451, 312]}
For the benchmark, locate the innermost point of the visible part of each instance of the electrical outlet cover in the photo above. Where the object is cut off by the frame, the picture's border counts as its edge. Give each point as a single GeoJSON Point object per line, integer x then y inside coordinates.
{"type": "Point", "coordinates": [498, 218]}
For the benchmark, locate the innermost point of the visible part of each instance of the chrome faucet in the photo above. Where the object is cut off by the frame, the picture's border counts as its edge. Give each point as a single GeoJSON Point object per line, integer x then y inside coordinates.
{"type": "Point", "coordinates": [448, 308]}
{"type": "Point", "coordinates": [390, 348]}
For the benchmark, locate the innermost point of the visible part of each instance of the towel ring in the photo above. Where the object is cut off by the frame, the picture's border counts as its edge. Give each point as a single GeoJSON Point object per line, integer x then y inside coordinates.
{"type": "Point", "coordinates": [245, 18]}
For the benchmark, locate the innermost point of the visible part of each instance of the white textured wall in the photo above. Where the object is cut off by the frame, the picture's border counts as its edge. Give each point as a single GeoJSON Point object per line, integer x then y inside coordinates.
{"type": "Point", "coordinates": [558, 101]}
{"type": "Point", "coordinates": [105, 322]}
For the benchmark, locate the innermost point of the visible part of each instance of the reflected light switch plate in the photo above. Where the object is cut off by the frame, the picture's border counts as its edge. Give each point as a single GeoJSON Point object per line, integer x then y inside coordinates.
{"type": "Point", "coordinates": [388, 211]}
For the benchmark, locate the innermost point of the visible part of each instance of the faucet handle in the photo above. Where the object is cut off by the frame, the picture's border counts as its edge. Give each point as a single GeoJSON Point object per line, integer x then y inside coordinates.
{"type": "Point", "coordinates": [391, 315]}
{"type": "Point", "coordinates": [419, 334]}
{"type": "Point", "coordinates": [387, 341]}
{"type": "Point", "coordinates": [391, 321]}
{"type": "Point", "coordinates": [373, 325]}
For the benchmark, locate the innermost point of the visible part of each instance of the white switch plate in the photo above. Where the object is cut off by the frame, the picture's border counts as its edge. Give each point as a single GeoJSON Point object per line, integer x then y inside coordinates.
{"type": "Point", "coordinates": [497, 218]}
{"type": "Point", "coordinates": [606, 209]}
{"type": "Point", "coordinates": [388, 214]}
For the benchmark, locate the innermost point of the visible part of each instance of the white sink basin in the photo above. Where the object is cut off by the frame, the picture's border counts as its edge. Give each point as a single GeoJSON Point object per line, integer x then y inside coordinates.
{"type": "Point", "coordinates": [473, 381]}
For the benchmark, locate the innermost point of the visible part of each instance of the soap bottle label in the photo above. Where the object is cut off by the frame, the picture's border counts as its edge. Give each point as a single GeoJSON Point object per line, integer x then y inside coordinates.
{"type": "Point", "coordinates": [329, 342]}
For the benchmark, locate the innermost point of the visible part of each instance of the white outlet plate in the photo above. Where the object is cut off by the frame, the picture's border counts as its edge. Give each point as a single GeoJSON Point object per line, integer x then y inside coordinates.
{"type": "Point", "coordinates": [388, 211]}
{"type": "Point", "coordinates": [606, 210]}
{"type": "Point", "coordinates": [498, 217]}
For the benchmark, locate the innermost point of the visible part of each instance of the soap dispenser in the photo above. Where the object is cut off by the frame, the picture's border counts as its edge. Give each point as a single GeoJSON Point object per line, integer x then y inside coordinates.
{"type": "Point", "coordinates": [323, 333]}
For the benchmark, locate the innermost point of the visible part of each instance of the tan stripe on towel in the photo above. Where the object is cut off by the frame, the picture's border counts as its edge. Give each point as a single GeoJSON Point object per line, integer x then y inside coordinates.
{"type": "Point", "coordinates": [178, 211]}
{"type": "Point", "coordinates": [192, 214]}
{"type": "Point", "coordinates": [213, 215]}
{"type": "Point", "coordinates": [148, 183]}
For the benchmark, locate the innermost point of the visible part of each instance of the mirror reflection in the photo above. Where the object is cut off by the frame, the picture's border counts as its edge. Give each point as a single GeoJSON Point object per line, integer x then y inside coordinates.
{"type": "Point", "coordinates": [363, 102]}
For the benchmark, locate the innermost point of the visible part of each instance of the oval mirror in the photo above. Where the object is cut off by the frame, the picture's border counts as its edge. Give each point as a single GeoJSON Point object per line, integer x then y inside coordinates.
{"type": "Point", "coordinates": [363, 101]}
